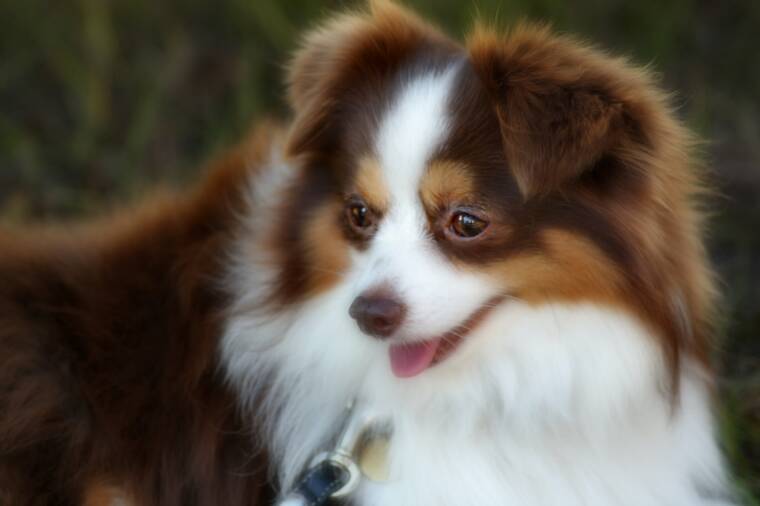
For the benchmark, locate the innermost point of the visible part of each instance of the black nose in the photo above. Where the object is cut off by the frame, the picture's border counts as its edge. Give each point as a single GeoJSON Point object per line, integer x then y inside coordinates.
{"type": "Point", "coordinates": [378, 315]}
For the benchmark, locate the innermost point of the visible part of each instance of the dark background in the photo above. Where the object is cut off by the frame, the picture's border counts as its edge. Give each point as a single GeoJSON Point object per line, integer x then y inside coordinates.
{"type": "Point", "coordinates": [101, 99]}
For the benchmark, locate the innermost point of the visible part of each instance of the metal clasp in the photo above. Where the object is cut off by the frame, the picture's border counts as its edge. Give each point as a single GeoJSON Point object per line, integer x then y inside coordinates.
{"type": "Point", "coordinates": [360, 421]}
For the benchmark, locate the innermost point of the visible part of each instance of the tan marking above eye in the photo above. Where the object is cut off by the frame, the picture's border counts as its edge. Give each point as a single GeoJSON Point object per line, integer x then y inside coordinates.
{"type": "Point", "coordinates": [445, 183]}
{"type": "Point", "coordinates": [370, 184]}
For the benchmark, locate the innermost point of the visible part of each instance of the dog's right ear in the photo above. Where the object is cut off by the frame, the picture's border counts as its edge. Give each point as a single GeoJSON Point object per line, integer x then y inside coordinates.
{"type": "Point", "coordinates": [339, 63]}
{"type": "Point", "coordinates": [321, 50]}
{"type": "Point", "coordinates": [312, 83]}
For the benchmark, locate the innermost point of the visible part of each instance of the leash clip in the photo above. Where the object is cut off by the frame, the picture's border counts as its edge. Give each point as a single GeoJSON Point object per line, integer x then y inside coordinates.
{"type": "Point", "coordinates": [335, 474]}
{"type": "Point", "coordinates": [344, 462]}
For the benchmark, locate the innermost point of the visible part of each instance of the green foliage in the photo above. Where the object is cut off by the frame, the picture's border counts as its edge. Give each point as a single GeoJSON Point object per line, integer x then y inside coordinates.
{"type": "Point", "coordinates": [102, 98]}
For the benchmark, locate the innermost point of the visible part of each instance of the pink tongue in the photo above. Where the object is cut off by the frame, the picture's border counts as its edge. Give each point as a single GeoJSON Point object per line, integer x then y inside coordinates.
{"type": "Point", "coordinates": [409, 360]}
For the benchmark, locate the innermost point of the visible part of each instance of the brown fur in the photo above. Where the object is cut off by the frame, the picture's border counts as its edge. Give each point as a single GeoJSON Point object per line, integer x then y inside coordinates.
{"type": "Point", "coordinates": [326, 249]}
{"type": "Point", "coordinates": [370, 185]}
{"type": "Point", "coordinates": [108, 333]}
{"type": "Point", "coordinates": [444, 184]}
{"type": "Point", "coordinates": [593, 132]}
{"type": "Point", "coordinates": [350, 65]}
{"type": "Point", "coordinates": [575, 156]}
{"type": "Point", "coordinates": [108, 369]}
{"type": "Point", "coordinates": [101, 494]}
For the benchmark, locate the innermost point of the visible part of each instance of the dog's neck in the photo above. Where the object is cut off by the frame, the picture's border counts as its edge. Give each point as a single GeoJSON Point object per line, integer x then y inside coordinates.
{"type": "Point", "coordinates": [524, 422]}
{"type": "Point", "coordinates": [549, 404]}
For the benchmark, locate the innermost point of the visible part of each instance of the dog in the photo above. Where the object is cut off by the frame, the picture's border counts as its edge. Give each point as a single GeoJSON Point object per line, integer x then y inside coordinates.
{"type": "Point", "coordinates": [498, 244]}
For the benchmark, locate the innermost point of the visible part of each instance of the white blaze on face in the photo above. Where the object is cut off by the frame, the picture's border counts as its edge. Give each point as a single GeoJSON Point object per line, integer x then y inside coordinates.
{"type": "Point", "coordinates": [403, 255]}
{"type": "Point", "coordinates": [412, 129]}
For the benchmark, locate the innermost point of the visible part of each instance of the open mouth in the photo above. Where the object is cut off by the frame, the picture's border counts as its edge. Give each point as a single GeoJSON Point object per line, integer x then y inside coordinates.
{"type": "Point", "coordinates": [411, 359]}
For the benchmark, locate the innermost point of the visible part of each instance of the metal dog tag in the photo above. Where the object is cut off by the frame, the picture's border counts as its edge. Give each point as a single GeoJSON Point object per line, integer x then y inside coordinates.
{"type": "Point", "coordinates": [365, 440]}
{"type": "Point", "coordinates": [372, 457]}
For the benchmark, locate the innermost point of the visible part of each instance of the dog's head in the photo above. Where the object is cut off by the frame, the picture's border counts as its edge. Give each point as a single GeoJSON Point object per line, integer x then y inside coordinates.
{"type": "Point", "coordinates": [441, 183]}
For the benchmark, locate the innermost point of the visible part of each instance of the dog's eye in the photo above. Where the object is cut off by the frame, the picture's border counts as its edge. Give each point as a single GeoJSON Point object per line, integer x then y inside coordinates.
{"type": "Point", "coordinates": [467, 226]}
{"type": "Point", "coordinates": [359, 216]}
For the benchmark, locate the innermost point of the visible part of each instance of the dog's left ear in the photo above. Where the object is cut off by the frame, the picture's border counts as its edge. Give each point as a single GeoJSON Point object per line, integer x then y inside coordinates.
{"type": "Point", "coordinates": [556, 115]}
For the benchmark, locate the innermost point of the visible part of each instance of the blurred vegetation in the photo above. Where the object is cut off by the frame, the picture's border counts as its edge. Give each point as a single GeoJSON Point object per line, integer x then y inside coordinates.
{"type": "Point", "coordinates": [101, 98]}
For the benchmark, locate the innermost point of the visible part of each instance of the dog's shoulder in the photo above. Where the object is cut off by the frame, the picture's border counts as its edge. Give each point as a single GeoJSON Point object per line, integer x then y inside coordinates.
{"type": "Point", "coordinates": [108, 332]}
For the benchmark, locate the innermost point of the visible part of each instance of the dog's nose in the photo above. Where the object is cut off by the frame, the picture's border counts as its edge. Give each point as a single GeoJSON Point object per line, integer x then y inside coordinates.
{"type": "Point", "coordinates": [378, 315]}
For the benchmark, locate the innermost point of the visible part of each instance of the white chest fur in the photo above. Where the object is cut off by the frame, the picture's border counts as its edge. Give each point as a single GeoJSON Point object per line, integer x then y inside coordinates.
{"type": "Point", "coordinates": [546, 405]}
{"type": "Point", "coordinates": [652, 459]}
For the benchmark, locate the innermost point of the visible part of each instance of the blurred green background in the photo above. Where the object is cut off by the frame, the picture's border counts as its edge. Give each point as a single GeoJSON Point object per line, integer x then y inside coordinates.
{"type": "Point", "coordinates": [100, 99]}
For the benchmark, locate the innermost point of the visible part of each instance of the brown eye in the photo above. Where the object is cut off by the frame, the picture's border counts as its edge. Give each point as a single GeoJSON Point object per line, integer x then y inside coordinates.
{"type": "Point", "coordinates": [467, 226]}
{"type": "Point", "coordinates": [359, 216]}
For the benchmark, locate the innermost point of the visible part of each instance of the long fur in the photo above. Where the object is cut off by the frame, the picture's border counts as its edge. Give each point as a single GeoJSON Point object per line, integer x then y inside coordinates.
{"type": "Point", "coordinates": [199, 349]}
{"type": "Point", "coordinates": [109, 382]}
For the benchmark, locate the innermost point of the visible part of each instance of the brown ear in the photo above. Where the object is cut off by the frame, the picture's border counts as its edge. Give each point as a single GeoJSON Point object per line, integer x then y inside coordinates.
{"type": "Point", "coordinates": [321, 50]}
{"type": "Point", "coordinates": [311, 81]}
{"type": "Point", "coordinates": [336, 60]}
{"type": "Point", "coordinates": [556, 115]}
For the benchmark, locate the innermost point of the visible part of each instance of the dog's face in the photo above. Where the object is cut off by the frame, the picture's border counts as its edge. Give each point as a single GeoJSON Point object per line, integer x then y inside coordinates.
{"type": "Point", "coordinates": [440, 184]}
{"type": "Point", "coordinates": [466, 238]}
